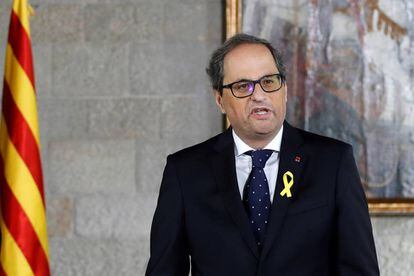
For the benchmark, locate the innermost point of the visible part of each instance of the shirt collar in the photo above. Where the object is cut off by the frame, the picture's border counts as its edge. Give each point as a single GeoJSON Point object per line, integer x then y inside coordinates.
{"type": "Point", "coordinates": [241, 147]}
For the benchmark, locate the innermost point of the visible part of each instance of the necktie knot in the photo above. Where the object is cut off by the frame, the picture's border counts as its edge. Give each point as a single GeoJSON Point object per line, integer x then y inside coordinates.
{"type": "Point", "coordinates": [259, 157]}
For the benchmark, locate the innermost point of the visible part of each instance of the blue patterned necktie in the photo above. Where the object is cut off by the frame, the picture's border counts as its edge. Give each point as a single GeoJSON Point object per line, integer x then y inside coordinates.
{"type": "Point", "coordinates": [256, 198]}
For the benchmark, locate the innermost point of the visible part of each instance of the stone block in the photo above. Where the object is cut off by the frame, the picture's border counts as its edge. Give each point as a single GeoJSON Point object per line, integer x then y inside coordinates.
{"type": "Point", "coordinates": [187, 118]}
{"type": "Point", "coordinates": [185, 64]}
{"type": "Point", "coordinates": [147, 69]}
{"type": "Point", "coordinates": [214, 117]}
{"type": "Point", "coordinates": [214, 23]}
{"type": "Point", "coordinates": [85, 2]}
{"type": "Point", "coordinates": [124, 118]}
{"type": "Point", "coordinates": [114, 217]}
{"type": "Point", "coordinates": [168, 69]}
{"type": "Point", "coordinates": [394, 260]}
{"type": "Point", "coordinates": [36, 3]}
{"type": "Point", "coordinates": [197, 1]}
{"type": "Point", "coordinates": [91, 167]}
{"type": "Point", "coordinates": [90, 70]}
{"type": "Point", "coordinates": [114, 21]}
{"type": "Point", "coordinates": [176, 29]}
{"type": "Point", "coordinates": [108, 22]}
{"type": "Point", "coordinates": [185, 121]}
{"type": "Point", "coordinates": [383, 226]}
{"type": "Point", "coordinates": [60, 22]}
{"type": "Point", "coordinates": [42, 60]}
{"type": "Point", "coordinates": [99, 257]}
{"type": "Point", "coordinates": [152, 153]}
{"type": "Point", "coordinates": [395, 244]}
{"type": "Point", "coordinates": [149, 19]}
{"type": "Point", "coordinates": [62, 118]}
{"type": "Point", "coordinates": [181, 118]}
{"type": "Point", "coordinates": [60, 216]}
{"type": "Point", "coordinates": [151, 158]}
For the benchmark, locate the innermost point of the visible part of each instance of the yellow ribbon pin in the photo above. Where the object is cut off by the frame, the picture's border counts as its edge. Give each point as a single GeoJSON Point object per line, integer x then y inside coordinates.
{"type": "Point", "coordinates": [288, 184]}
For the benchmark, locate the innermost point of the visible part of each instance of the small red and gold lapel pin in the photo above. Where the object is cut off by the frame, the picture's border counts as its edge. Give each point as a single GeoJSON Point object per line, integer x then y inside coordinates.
{"type": "Point", "coordinates": [297, 158]}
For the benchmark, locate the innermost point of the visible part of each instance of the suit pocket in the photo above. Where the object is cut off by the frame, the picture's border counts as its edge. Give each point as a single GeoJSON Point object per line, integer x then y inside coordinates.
{"type": "Point", "coordinates": [305, 207]}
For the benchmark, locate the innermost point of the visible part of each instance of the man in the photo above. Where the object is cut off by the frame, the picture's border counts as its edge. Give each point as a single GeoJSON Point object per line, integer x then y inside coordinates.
{"type": "Point", "coordinates": [262, 198]}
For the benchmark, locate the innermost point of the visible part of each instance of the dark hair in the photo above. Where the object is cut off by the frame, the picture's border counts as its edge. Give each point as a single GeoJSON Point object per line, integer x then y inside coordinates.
{"type": "Point", "coordinates": [215, 68]}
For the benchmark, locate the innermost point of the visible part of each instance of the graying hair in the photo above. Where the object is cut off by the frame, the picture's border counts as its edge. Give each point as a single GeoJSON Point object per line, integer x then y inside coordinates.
{"type": "Point", "coordinates": [215, 68]}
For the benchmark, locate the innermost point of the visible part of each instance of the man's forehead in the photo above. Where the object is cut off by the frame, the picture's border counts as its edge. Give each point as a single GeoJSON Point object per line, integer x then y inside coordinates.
{"type": "Point", "coordinates": [247, 49]}
{"type": "Point", "coordinates": [248, 60]}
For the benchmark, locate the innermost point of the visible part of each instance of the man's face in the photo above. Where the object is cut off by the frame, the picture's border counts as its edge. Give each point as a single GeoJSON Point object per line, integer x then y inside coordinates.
{"type": "Point", "coordinates": [259, 116]}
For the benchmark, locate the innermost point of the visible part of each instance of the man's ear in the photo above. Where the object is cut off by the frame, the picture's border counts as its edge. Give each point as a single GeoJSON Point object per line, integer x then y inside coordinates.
{"type": "Point", "coordinates": [219, 101]}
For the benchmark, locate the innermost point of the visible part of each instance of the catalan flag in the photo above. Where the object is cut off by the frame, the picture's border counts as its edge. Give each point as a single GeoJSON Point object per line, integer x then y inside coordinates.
{"type": "Point", "coordinates": [24, 244]}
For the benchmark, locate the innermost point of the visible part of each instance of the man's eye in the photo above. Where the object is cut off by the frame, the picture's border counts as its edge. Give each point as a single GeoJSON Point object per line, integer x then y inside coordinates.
{"type": "Point", "coordinates": [268, 81]}
{"type": "Point", "coordinates": [241, 86]}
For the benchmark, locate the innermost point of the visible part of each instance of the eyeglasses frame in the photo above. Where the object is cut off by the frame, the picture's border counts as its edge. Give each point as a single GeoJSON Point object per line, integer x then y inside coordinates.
{"type": "Point", "coordinates": [229, 86]}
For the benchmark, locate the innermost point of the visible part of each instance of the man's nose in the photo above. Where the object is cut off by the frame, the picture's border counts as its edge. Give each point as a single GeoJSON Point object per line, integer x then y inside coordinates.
{"type": "Point", "coordinates": [258, 93]}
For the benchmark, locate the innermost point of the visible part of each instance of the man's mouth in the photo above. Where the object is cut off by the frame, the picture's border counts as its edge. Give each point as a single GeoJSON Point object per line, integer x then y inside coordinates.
{"type": "Point", "coordinates": [260, 111]}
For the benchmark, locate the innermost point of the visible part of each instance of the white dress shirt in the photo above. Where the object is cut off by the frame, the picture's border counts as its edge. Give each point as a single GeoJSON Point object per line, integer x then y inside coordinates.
{"type": "Point", "coordinates": [244, 162]}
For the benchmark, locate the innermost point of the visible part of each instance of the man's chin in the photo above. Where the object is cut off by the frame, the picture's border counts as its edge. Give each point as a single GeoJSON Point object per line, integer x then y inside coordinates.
{"type": "Point", "coordinates": [265, 132]}
{"type": "Point", "coordinates": [264, 127]}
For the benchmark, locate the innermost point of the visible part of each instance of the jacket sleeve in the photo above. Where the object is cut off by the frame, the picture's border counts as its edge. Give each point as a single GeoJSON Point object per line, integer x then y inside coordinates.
{"type": "Point", "coordinates": [356, 253]}
{"type": "Point", "coordinates": [169, 247]}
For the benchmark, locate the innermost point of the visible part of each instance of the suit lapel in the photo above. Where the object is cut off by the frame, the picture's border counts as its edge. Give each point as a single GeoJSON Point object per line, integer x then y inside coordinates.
{"type": "Point", "coordinates": [224, 169]}
{"type": "Point", "coordinates": [292, 158]}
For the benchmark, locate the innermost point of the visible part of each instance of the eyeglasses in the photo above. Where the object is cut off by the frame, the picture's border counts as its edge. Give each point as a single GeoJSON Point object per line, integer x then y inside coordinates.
{"type": "Point", "coordinates": [245, 88]}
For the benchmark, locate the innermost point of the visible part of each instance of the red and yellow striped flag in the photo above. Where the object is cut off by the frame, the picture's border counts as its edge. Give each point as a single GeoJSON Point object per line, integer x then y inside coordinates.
{"type": "Point", "coordinates": [24, 245]}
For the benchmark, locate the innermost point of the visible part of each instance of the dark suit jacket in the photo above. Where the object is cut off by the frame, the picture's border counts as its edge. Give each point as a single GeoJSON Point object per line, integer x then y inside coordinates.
{"type": "Point", "coordinates": [323, 229]}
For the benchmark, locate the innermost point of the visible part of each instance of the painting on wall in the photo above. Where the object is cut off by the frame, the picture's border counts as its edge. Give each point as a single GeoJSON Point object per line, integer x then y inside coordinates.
{"type": "Point", "coordinates": [350, 76]}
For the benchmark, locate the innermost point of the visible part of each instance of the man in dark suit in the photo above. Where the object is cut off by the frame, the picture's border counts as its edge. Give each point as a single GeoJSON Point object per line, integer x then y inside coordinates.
{"type": "Point", "coordinates": [262, 198]}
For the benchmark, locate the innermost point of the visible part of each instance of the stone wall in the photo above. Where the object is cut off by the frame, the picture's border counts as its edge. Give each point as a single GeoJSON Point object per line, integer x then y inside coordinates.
{"type": "Point", "coordinates": [394, 239]}
{"type": "Point", "coordinates": [121, 84]}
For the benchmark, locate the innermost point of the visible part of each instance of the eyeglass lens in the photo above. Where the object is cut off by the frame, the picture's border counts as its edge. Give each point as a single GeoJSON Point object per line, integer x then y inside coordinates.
{"type": "Point", "coordinates": [268, 84]}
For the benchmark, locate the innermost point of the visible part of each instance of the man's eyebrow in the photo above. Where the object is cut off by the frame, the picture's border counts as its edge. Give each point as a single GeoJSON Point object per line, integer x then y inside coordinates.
{"type": "Point", "coordinates": [242, 80]}
{"type": "Point", "coordinates": [239, 80]}
{"type": "Point", "coordinates": [245, 79]}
